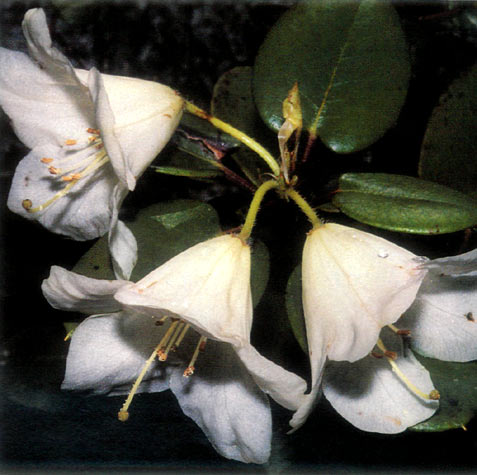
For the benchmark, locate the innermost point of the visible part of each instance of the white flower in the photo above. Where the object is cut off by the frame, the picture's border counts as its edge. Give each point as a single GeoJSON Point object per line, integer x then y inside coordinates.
{"type": "Point", "coordinates": [91, 136]}
{"type": "Point", "coordinates": [354, 284]}
{"type": "Point", "coordinates": [205, 292]}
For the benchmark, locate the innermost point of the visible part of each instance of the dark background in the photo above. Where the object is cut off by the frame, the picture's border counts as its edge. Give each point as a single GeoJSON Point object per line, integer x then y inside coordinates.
{"type": "Point", "coordinates": [188, 46]}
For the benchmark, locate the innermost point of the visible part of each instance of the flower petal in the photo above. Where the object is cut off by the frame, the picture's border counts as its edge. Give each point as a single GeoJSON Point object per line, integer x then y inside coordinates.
{"type": "Point", "coordinates": [106, 123]}
{"type": "Point", "coordinates": [74, 214]}
{"type": "Point", "coordinates": [443, 318]}
{"type": "Point", "coordinates": [146, 115]}
{"type": "Point", "coordinates": [371, 397]}
{"type": "Point", "coordinates": [107, 353]}
{"type": "Point", "coordinates": [354, 283]}
{"type": "Point", "coordinates": [224, 401]}
{"type": "Point", "coordinates": [455, 265]}
{"type": "Point", "coordinates": [208, 285]}
{"type": "Point", "coordinates": [284, 387]}
{"type": "Point", "coordinates": [67, 290]}
{"type": "Point", "coordinates": [122, 243]}
{"type": "Point", "coordinates": [42, 107]}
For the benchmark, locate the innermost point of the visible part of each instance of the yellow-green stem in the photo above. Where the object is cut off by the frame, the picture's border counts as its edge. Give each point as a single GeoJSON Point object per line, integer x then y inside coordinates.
{"type": "Point", "coordinates": [244, 138]}
{"type": "Point", "coordinates": [305, 207]}
{"type": "Point", "coordinates": [254, 207]}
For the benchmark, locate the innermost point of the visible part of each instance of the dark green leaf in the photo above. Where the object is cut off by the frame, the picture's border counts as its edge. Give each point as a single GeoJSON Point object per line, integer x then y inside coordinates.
{"type": "Point", "coordinates": [233, 103]}
{"type": "Point", "coordinates": [351, 63]}
{"type": "Point", "coordinates": [449, 150]}
{"type": "Point", "coordinates": [402, 203]}
{"type": "Point", "coordinates": [295, 308]}
{"type": "Point", "coordinates": [457, 385]}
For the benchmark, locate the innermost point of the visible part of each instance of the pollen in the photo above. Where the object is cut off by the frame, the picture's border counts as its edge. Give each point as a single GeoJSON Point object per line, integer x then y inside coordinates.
{"type": "Point", "coordinates": [53, 170]}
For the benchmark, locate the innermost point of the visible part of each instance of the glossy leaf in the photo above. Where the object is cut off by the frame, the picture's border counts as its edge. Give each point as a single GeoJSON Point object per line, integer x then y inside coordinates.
{"type": "Point", "coordinates": [457, 385]}
{"type": "Point", "coordinates": [351, 63]}
{"type": "Point", "coordinates": [295, 308]}
{"type": "Point", "coordinates": [448, 154]}
{"type": "Point", "coordinates": [402, 203]}
{"type": "Point", "coordinates": [164, 230]}
{"type": "Point", "coordinates": [233, 103]}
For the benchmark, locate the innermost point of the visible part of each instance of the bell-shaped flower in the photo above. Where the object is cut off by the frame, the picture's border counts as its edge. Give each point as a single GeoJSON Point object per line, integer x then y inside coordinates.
{"type": "Point", "coordinates": [354, 284]}
{"type": "Point", "coordinates": [91, 136]}
{"type": "Point", "coordinates": [440, 324]}
{"type": "Point", "coordinates": [194, 315]}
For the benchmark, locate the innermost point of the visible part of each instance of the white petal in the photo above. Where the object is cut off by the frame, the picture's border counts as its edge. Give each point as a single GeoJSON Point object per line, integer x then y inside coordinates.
{"type": "Point", "coordinates": [108, 352]}
{"type": "Point", "coordinates": [455, 265]}
{"type": "Point", "coordinates": [371, 397]}
{"type": "Point", "coordinates": [226, 404]}
{"type": "Point", "coordinates": [146, 115]}
{"type": "Point", "coordinates": [35, 30]}
{"type": "Point", "coordinates": [443, 319]}
{"type": "Point", "coordinates": [106, 123]}
{"type": "Point", "coordinates": [354, 283]}
{"type": "Point", "coordinates": [83, 213]}
{"type": "Point", "coordinates": [67, 290]}
{"type": "Point", "coordinates": [43, 109]}
{"type": "Point", "coordinates": [122, 243]}
{"type": "Point", "coordinates": [284, 387]}
{"type": "Point", "coordinates": [208, 285]}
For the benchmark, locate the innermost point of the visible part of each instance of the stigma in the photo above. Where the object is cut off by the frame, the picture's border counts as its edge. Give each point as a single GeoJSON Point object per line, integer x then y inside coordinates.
{"type": "Point", "coordinates": [81, 160]}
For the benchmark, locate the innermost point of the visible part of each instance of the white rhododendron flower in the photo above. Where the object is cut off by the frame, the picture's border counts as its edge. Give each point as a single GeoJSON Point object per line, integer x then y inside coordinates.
{"type": "Point", "coordinates": [354, 284]}
{"type": "Point", "coordinates": [194, 313]}
{"type": "Point", "coordinates": [91, 136]}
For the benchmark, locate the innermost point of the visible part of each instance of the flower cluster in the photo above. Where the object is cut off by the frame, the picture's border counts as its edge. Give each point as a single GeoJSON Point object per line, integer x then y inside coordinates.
{"type": "Point", "coordinates": [186, 326]}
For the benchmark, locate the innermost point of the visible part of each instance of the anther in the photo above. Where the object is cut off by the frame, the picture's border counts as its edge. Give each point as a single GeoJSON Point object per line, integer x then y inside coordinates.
{"type": "Point", "coordinates": [189, 371]}
{"type": "Point", "coordinates": [53, 170]}
{"type": "Point", "coordinates": [46, 160]}
{"type": "Point", "coordinates": [27, 204]}
{"type": "Point", "coordinates": [390, 354]}
{"type": "Point", "coordinates": [92, 131]}
{"type": "Point", "coordinates": [399, 331]}
{"type": "Point", "coordinates": [161, 353]}
{"type": "Point", "coordinates": [71, 142]}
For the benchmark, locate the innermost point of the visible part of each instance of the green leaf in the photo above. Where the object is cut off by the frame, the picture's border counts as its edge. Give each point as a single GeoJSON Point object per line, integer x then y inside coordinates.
{"type": "Point", "coordinates": [295, 308]}
{"type": "Point", "coordinates": [402, 203]}
{"type": "Point", "coordinates": [164, 230]}
{"type": "Point", "coordinates": [351, 63]}
{"type": "Point", "coordinates": [196, 163]}
{"type": "Point", "coordinates": [448, 154]}
{"type": "Point", "coordinates": [233, 103]}
{"type": "Point", "coordinates": [457, 385]}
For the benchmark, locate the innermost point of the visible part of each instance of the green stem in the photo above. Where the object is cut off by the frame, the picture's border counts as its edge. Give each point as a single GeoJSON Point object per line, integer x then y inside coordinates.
{"type": "Point", "coordinates": [244, 138]}
{"type": "Point", "coordinates": [254, 207]}
{"type": "Point", "coordinates": [305, 207]}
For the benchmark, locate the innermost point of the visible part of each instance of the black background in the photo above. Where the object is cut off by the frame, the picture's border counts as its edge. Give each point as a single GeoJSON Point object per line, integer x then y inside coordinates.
{"type": "Point", "coordinates": [188, 46]}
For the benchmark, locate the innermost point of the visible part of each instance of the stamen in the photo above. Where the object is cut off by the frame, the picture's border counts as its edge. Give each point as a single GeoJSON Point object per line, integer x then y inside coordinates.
{"type": "Point", "coordinates": [123, 414]}
{"type": "Point", "coordinates": [98, 162]}
{"type": "Point", "coordinates": [173, 339]}
{"type": "Point", "coordinates": [432, 396]}
{"type": "Point", "coordinates": [399, 331]}
{"type": "Point", "coordinates": [189, 371]}
{"type": "Point", "coordinates": [165, 339]}
{"type": "Point", "coordinates": [161, 321]}
{"type": "Point", "coordinates": [181, 337]}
